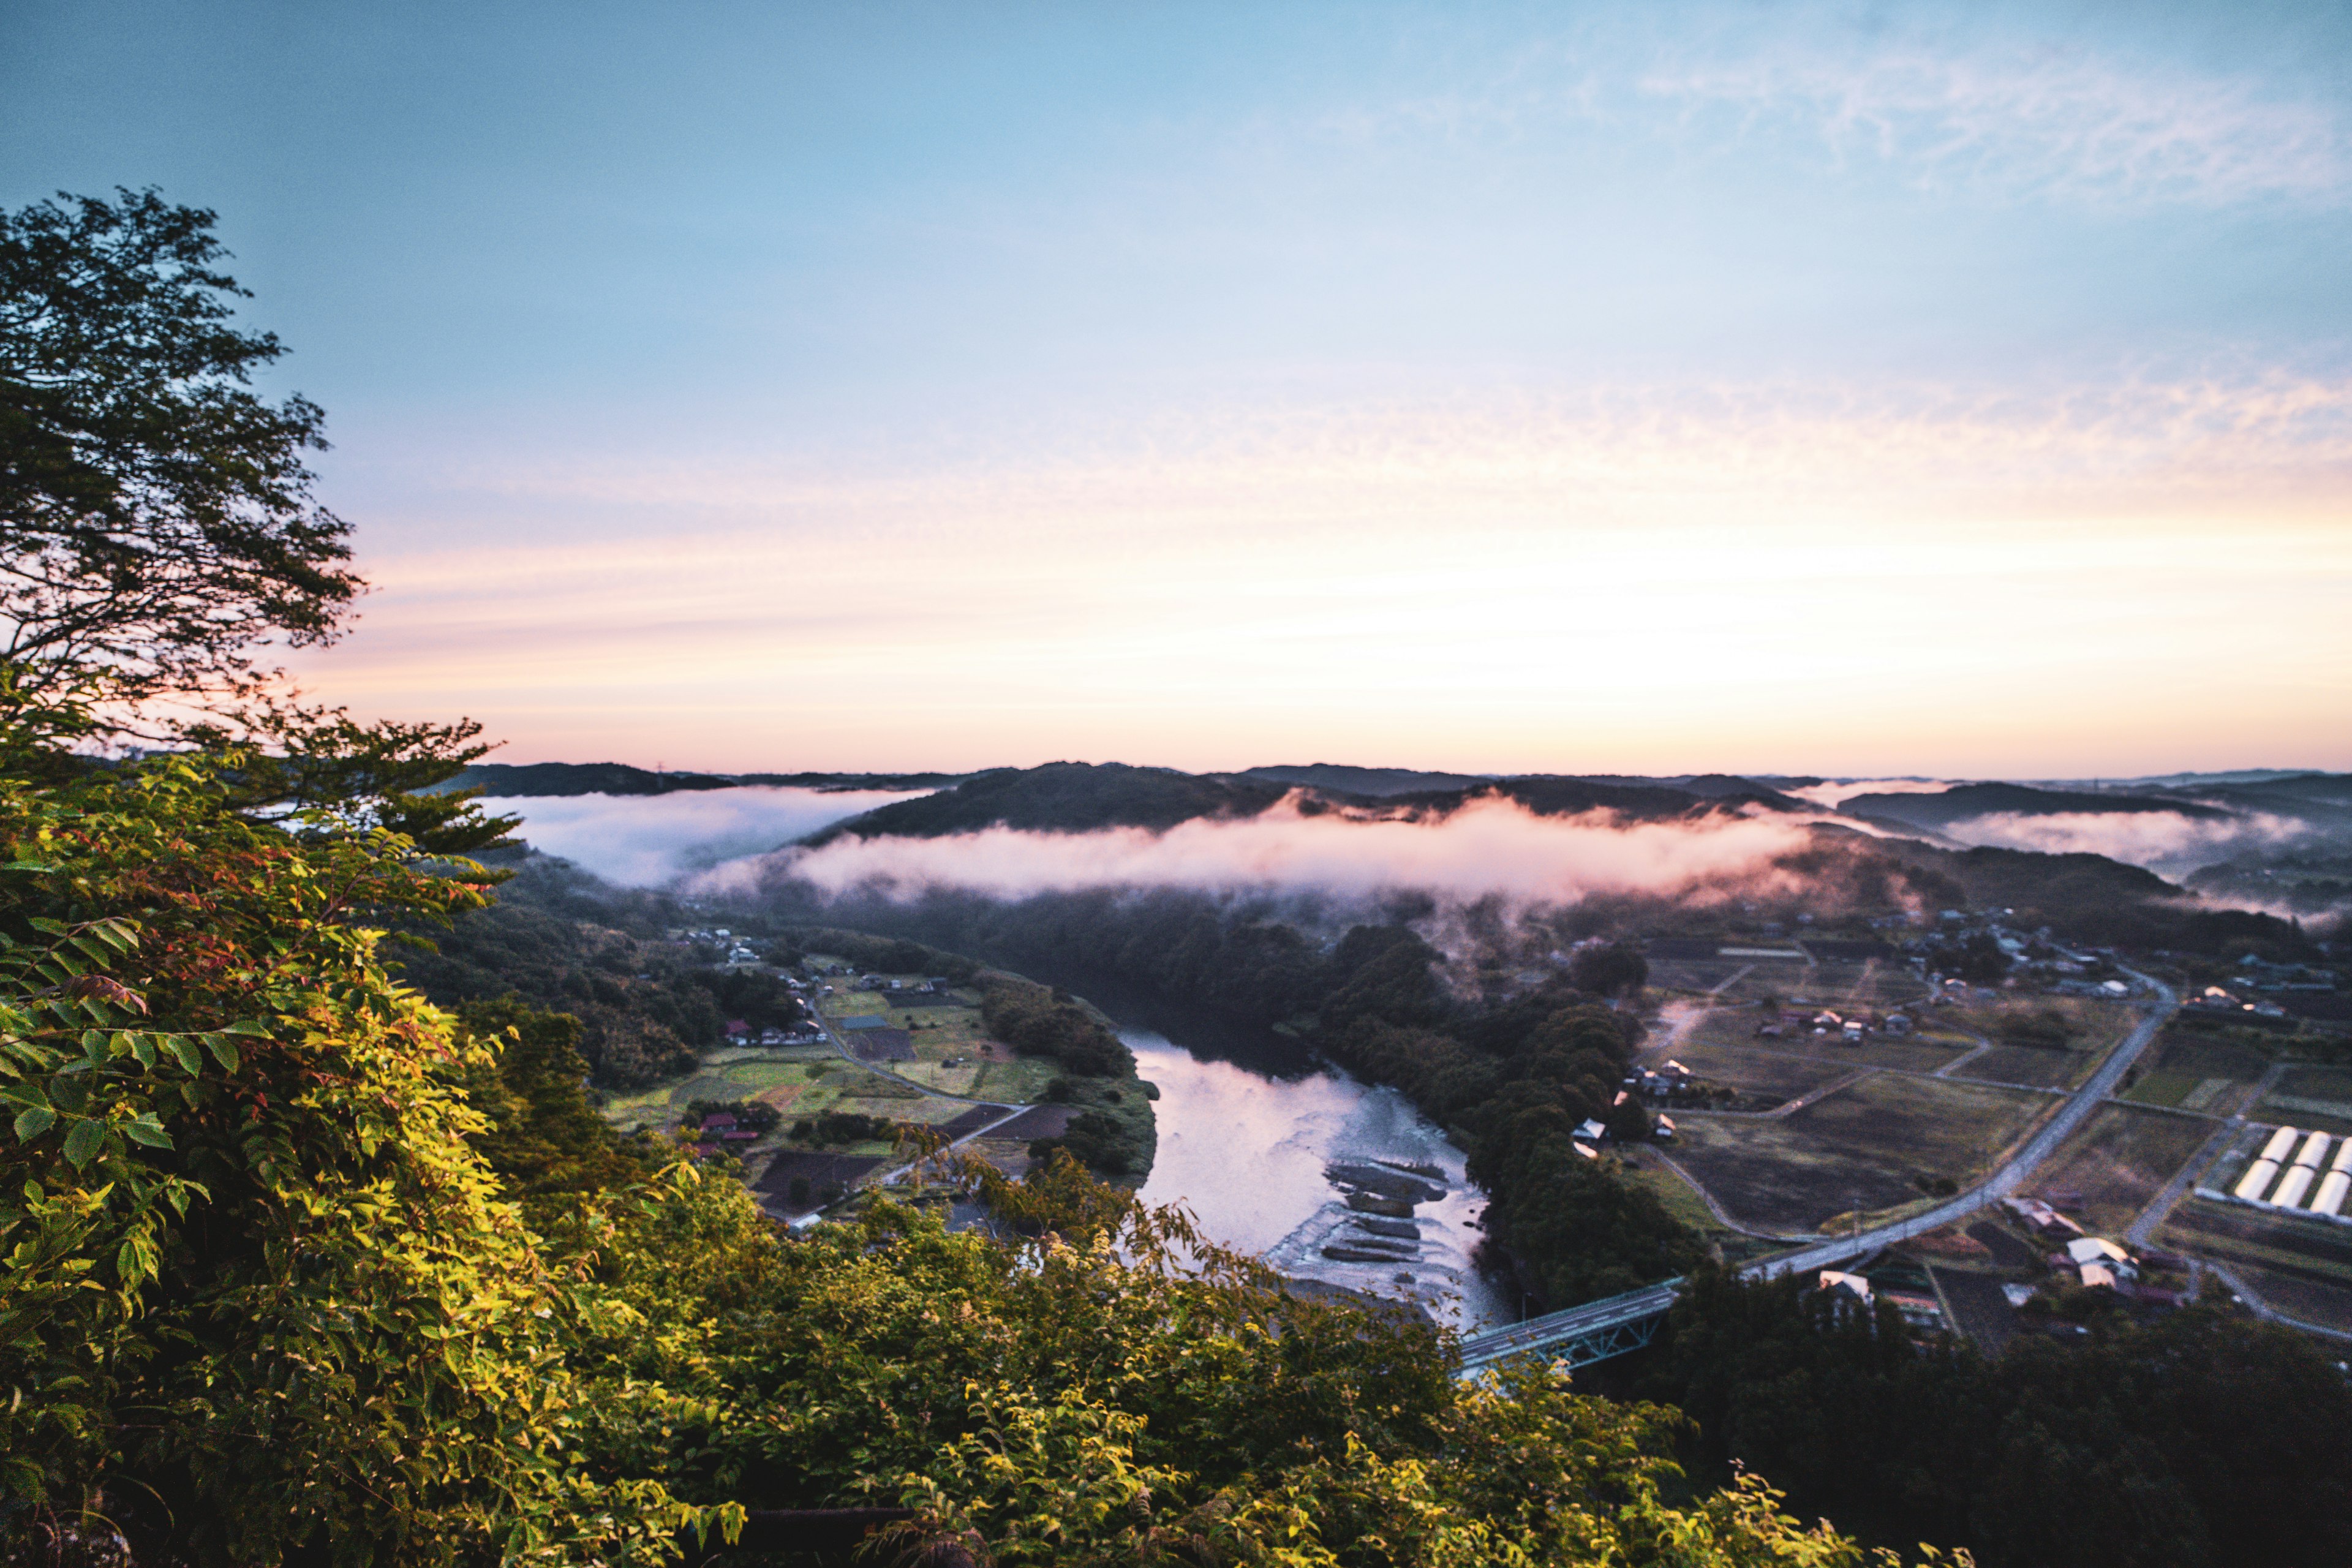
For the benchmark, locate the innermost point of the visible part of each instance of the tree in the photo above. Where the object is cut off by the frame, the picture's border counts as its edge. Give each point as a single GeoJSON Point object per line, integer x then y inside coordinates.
{"type": "Point", "coordinates": [1617, 968]}
{"type": "Point", "coordinates": [156, 518]}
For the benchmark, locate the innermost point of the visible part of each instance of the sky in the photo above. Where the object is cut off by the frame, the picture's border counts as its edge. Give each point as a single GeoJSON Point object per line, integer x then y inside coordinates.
{"type": "Point", "coordinates": [1960, 390]}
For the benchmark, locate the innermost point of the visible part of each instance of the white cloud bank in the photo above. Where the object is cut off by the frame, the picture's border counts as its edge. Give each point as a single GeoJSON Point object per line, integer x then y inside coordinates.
{"type": "Point", "coordinates": [1492, 846]}
{"type": "Point", "coordinates": [643, 841]}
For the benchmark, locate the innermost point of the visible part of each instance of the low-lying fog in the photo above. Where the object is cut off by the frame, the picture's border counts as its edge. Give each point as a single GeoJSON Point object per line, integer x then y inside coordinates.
{"type": "Point", "coordinates": [651, 840]}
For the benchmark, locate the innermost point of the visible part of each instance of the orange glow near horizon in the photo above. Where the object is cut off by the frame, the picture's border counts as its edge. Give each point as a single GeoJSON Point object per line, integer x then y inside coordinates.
{"type": "Point", "coordinates": [1603, 588]}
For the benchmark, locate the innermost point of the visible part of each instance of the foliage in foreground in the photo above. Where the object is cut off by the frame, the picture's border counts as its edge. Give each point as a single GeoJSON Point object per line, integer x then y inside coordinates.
{"type": "Point", "coordinates": [264, 1296]}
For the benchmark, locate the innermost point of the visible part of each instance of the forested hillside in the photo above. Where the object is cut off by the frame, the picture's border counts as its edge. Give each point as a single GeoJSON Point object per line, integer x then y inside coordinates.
{"type": "Point", "coordinates": [563, 940]}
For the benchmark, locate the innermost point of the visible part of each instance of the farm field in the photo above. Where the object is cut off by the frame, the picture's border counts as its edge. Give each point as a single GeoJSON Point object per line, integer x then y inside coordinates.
{"type": "Point", "coordinates": [2196, 1072]}
{"type": "Point", "coordinates": [2302, 1267]}
{"type": "Point", "coordinates": [1681, 1201]}
{"type": "Point", "coordinates": [1735, 1029]}
{"type": "Point", "coordinates": [984, 1069]}
{"type": "Point", "coordinates": [2310, 1097]}
{"type": "Point", "coordinates": [1771, 1078]}
{"type": "Point", "coordinates": [797, 1082]}
{"type": "Point", "coordinates": [2031, 1066]}
{"type": "Point", "coordinates": [2096, 1024]}
{"type": "Point", "coordinates": [1704, 975]}
{"type": "Point", "coordinates": [2118, 1161]}
{"type": "Point", "coordinates": [1866, 1147]}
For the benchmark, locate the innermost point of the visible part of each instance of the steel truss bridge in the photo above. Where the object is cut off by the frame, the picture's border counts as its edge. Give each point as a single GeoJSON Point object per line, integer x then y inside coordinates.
{"type": "Point", "coordinates": [1615, 1325]}
{"type": "Point", "coordinates": [1578, 1336]}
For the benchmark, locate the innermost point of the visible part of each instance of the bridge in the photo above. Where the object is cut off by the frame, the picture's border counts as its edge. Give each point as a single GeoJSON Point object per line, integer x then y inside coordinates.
{"type": "Point", "coordinates": [1578, 1336]}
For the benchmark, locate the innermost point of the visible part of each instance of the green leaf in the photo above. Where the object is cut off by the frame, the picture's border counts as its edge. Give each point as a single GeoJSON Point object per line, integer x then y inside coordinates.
{"type": "Point", "coordinates": [82, 1142]}
{"type": "Point", "coordinates": [31, 1125]}
{"type": "Point", "coordinates": [28, 1095]}
{"type": "Point", "coordinates": [143, 1047]}
{"type": "Point", "coordinates": [248, 1026]}
{"type": "Point", "coordinates": [183, 1050]}
{"type": "Point", "coordinates": [27, 866]}
{"type": "Point", "coordinates": [223, 1052]}
{"type": "Point", "coordinates": [148, 1130]}
{"type": "Point", "coordinates": [43, 923]}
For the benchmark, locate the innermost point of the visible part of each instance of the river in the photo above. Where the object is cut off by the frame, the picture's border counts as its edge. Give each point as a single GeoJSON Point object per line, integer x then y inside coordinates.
{"type": "Point", "coordinates": [1264, 1145]}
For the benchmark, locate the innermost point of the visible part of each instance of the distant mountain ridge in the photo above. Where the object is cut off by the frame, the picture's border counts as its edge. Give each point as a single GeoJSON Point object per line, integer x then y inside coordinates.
{"type": "Point", "coordinates": [551, 779]}
{"type": "Point", "coordinates": [1963, 802]}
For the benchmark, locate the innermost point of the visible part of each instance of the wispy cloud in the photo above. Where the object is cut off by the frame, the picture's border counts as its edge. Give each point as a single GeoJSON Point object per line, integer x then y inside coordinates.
{"type": "Point", "coordinates": [2051, 121]}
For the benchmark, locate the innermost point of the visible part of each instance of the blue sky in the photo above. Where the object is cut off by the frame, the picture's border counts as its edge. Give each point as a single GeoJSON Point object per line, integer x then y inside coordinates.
{"type": "Point", "coordinates": [900, 386]}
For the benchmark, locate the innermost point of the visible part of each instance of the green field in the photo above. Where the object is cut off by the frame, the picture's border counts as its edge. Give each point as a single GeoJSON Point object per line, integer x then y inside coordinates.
{"type": "Point", "coordinates": [1862, 1148]}
{"type": "Point", "coordinates": [2196, 1072]}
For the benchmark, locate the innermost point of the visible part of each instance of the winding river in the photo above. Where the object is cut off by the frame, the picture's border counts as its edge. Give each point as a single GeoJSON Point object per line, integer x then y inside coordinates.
{"type": "Point", "coordinates": [1282, 1156]}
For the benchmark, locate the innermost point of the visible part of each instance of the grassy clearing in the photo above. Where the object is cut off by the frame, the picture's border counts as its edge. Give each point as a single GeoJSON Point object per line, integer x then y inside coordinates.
{"type": "Point", "coordinates": [1866, 1148]}
{"type": "Point", "coordinates": [2119, 1160]}
{"type": "Point", "coordinates": [1675, 1193]}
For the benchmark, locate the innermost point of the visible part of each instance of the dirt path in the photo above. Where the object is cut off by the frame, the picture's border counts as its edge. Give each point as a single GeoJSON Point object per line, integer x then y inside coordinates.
{"type": "Point", "coordinates": [2143, 1229]}
{"type": "Point", "coordinates": [1971, 1054]}
{"type": "Point", "coordinates": [1790, 1107]}
{"type": "Point", "coordinates": [1721, 1216]}
{"type": "Point", "coordinates": [840, 1044]}
{"type": "Point", "coordinates": [2263, 1310]}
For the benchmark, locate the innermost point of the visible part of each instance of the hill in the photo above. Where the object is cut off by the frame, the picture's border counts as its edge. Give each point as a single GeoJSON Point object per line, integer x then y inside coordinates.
{"type": "Point", "coordinates": [1373, 782]}
{"type": "Point", "coordinates": [1065, 797]}
{"type": "Point", "coordinates": [1963, 802]}
{"type": "Point", "coordinates": [506, 780]}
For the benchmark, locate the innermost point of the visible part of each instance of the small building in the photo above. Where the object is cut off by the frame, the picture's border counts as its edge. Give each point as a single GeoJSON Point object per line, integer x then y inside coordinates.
{"type": "Point", "coordinates": [1592, 1130]}
{"type": "Point", "coordinates": [2098, 1277]}
{"type": "Point", "coordinates": [1853, 1285]}
{"type": "Point", "coordinates": [1898, 1023]}
{"type": "Point", "coordinates": [719, 1122]}
{"type": "Point", "coordinates": [1662, 1130]}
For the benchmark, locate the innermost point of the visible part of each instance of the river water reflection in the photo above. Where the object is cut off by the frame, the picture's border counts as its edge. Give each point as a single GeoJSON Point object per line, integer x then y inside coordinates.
{"type": "Point", "coordinates": [1252, 1156]}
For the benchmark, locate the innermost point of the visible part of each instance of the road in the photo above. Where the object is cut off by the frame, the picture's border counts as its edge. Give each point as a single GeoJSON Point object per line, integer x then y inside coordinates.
{"type": "Point", "coordinates": [2012, 1175]}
